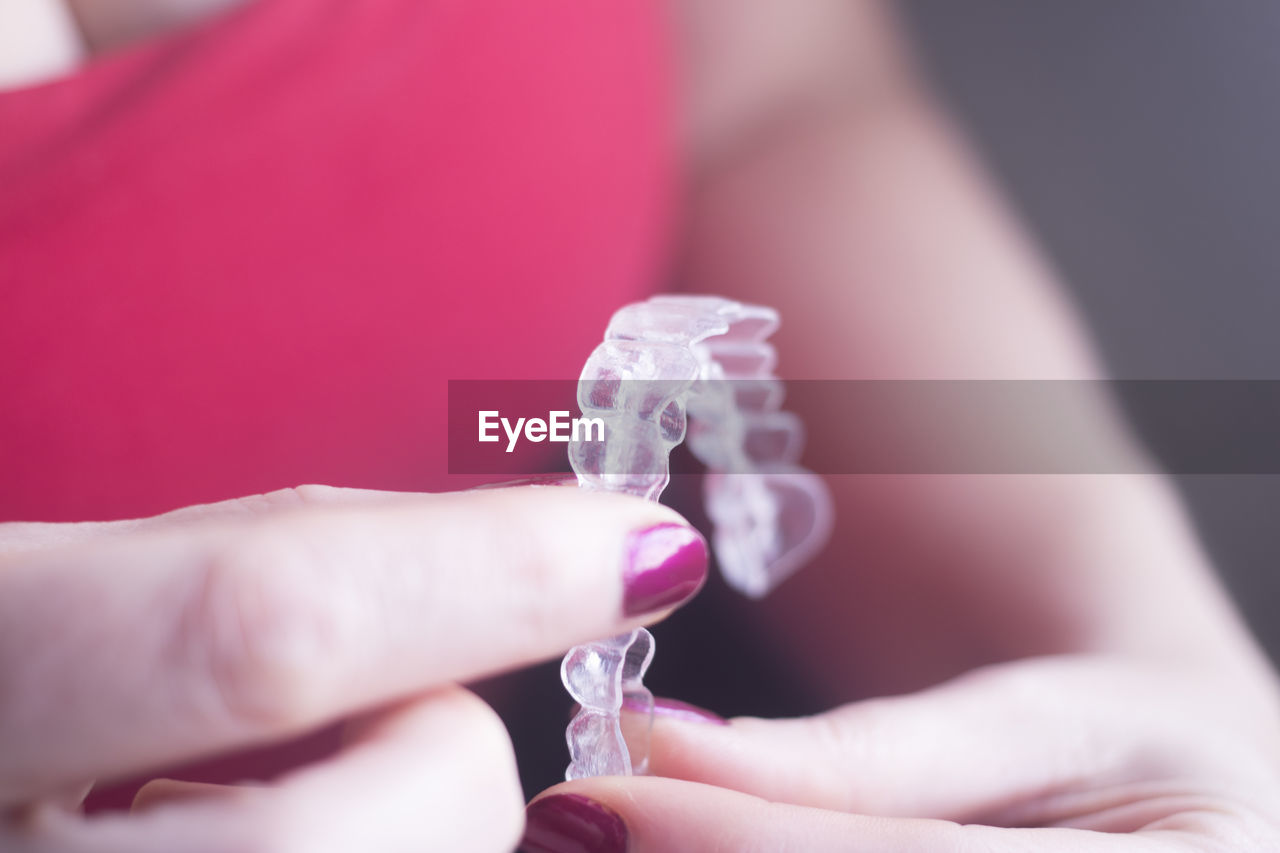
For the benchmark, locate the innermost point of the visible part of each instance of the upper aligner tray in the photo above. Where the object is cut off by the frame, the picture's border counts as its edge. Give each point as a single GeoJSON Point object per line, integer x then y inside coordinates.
{"type": "Point", "coordinates": [696, 367]}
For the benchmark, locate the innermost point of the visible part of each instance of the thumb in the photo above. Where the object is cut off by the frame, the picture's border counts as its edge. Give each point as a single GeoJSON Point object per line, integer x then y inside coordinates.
{"type": "Point", "coordinates": [985, 747]}
{"type": "Point", "coordinates": [646, 814]}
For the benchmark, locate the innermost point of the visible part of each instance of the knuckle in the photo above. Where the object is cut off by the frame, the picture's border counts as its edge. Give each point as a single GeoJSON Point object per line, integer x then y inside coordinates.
{"type": "Point", "coordinates": [263, 631]}
{"type": "Point", "coordinates": [849, 738]}
{"type": "Point", "coordinates": [531, 598]}
{"type": "Point", "coordinates": [857, 731]}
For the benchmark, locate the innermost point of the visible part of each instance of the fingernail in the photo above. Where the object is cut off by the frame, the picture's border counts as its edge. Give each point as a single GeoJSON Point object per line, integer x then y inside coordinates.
{"type": "Point", "coordinates": [666, 565]}
{"type": "Point", "coordinates": [570, 823]}
{"type": "Point", "coordinates": [674, 709]}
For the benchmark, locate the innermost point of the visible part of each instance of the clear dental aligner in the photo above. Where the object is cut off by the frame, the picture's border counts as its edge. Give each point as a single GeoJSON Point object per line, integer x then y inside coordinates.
{"type": "Point", "coordinates": [659, 377]}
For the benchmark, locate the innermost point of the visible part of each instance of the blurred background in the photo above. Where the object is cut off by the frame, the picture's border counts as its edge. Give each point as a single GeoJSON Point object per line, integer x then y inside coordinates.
{"type": "Point", "coordinates": [1140, 142]}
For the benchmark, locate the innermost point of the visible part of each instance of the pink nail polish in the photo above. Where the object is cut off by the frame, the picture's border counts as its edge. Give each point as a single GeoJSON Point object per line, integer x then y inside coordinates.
{"type": "Point", "coordinates": [570, 823]}
{"type": "Point", "coordinates": [666, 564]}
{"type": "Point", "coordinates": [674, 709]}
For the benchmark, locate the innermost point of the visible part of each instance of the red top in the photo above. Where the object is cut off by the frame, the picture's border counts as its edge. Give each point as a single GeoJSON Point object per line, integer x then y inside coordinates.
{"type": "Point", "coordinates": [251, 255]}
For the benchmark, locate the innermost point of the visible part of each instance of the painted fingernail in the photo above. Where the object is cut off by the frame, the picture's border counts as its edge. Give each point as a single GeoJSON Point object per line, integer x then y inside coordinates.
{"type": "Point", "coordinates": [674, 709]}
{"type": "Point", "coordinates": [570, 823]}
{"type": "Point", "coordinates": [666, 565]}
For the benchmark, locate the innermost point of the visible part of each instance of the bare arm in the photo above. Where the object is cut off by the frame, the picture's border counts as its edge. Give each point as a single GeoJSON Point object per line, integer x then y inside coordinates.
{"type": "Point", "coordinates": [831, 185]}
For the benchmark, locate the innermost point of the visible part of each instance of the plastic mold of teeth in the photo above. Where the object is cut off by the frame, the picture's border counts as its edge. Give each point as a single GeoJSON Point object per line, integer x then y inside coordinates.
{"type": "Point", "coordinates": [670, 369]}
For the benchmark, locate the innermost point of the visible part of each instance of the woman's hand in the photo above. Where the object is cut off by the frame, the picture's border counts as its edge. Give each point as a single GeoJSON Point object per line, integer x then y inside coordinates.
{"type": "Point", "coordinates": [128, 646]}
{"type": "Point", "coordinates": [1087, 686]}
{"type": "Point", "coordinates": [1097, 754]}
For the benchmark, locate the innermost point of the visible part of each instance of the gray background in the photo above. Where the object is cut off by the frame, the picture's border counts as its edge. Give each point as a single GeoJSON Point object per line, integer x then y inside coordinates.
{"type": "Point", "coordinates": [1139, 138]}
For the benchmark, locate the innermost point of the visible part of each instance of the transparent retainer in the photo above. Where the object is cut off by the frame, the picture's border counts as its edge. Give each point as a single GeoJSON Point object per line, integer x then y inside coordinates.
{"type": "Point", "coordinates": [695, 368]}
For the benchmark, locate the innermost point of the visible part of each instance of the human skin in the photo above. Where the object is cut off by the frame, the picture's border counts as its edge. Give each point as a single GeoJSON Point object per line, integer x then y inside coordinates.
{"type": "Point", "coordinates": [1074, 677]}
{"type": "Point", "coordinates": [127, 646]}
{"type": "Point", "coordinates": [1070, 676]}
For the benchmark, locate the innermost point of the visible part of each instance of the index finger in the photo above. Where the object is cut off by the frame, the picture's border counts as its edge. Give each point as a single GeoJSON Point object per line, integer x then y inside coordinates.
{"type": "Point", "coordinates": [172, 643]}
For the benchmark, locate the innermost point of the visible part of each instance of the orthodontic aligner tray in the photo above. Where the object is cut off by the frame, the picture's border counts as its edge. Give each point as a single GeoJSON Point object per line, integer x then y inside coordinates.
{"type": "Point", "coordinates": [695, 368]}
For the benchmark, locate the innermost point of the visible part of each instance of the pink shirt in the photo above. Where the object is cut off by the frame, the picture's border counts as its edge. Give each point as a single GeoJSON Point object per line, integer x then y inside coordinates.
{"type": "Point", "coordinates": [251, 255]}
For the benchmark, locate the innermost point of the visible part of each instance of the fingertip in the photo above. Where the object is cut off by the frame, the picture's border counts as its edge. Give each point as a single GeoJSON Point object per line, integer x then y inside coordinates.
{"type": "Point", "coordinates": [572, 823]}
{"type": "Point", "coordinates": [665, 566]}
{"type": "Point", "coordinates": [633, 814]}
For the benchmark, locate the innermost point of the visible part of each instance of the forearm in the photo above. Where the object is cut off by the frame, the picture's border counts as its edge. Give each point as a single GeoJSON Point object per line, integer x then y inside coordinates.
{"type": "Point", "coordinates": [869, 225]}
